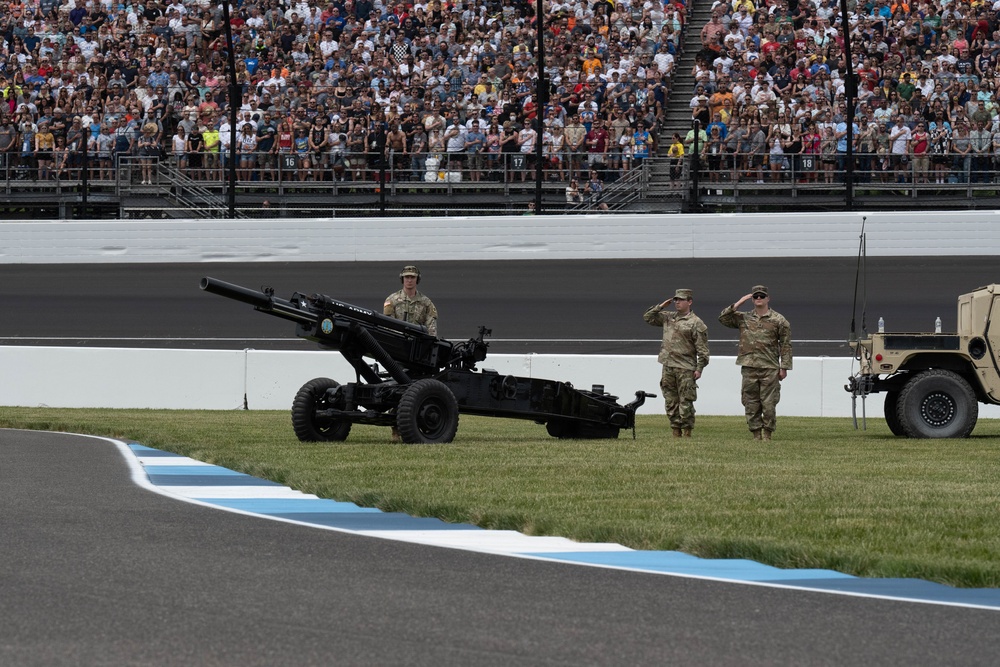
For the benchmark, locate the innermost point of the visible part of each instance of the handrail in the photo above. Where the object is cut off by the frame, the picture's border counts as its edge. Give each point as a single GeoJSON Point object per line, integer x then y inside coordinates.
{"type": "Point", "coordinates": [204, 199]}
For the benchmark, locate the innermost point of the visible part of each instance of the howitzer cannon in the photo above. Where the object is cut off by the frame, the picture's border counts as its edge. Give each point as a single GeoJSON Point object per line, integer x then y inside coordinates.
{"type": "Point", "coordinates": [419, 383]}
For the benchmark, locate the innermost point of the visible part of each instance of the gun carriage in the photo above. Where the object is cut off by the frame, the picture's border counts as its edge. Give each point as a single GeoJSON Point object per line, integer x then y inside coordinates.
{"type": "Point", "coordinates": [419, 383]}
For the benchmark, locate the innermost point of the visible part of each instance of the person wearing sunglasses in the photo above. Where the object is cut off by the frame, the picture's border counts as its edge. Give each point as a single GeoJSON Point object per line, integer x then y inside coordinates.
{"type": "Point", "coordinates": [684, 355]}
{"type": "Point", "coordinates": [765, 357]}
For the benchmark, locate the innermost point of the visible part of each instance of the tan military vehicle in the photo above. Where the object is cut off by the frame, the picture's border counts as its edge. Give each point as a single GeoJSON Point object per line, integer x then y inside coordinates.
{"type": "Point", "coordinates": [934, 382]}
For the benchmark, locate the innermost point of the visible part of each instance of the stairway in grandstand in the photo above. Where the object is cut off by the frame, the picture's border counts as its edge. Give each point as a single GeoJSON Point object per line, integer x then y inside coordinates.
{"type": "Point", "coordinates": [678, 112]}
{"type": "Point", "coordinates": [655, 182]}
{"type": "Point", "coordinates": [189, 197]}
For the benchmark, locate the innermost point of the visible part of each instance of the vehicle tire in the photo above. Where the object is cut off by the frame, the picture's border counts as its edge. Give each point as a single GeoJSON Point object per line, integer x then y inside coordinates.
{"type": "Point", "coordinates": [891, 414]}
{"type": "Point", "coordinates": [427, 413]}
{"type": "Point", "coordinates": [937, 404]}
{"type": "Point", "coordinates": [307, 426]}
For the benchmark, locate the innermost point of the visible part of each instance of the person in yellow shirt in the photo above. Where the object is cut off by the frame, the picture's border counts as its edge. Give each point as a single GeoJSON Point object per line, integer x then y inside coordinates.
{"type": "Point", "coordinates": [210, 135]}
{"type": "Point", "coordinates": [676, 155]}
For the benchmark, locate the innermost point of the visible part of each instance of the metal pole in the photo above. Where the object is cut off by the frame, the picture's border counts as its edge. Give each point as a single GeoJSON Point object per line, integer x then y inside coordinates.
{"type": "Point", "coordinates": [696, 167]}
{"type": "Point", "coordinates": [383, 158]}
{"type": "Point", "coordinates": [84, 180]}
{"type": "Point", "coordinates": [235, 99]}
{"type": "Point", "coordinates": [541, 99]}
{"type": "Point", "coordinates": [851, 93]}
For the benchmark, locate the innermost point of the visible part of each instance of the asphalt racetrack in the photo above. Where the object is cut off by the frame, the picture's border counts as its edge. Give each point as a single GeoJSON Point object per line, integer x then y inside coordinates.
{"type": "Point", "coordinates": [578, 306]}
{"type": "Point", "coordinates": [96, 570]}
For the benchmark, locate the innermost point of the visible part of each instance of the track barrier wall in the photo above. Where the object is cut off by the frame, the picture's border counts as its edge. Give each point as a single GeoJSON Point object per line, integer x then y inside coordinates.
{"type": "Point", "coordinates": [73, 377]}
{"type": "Point", "coordinates": [500, 238]}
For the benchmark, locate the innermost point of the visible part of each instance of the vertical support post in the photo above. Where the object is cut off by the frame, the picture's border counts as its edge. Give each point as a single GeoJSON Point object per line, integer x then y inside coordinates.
{"type": "Point", "coordinates": [235, 99]}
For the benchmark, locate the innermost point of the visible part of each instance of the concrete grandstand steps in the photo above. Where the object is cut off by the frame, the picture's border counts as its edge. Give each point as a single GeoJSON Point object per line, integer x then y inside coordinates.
{"type": "Point", "coordinates": [678, 112]}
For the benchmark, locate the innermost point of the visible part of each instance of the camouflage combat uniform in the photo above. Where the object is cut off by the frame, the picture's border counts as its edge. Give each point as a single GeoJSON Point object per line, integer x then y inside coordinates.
{"type": "Point", "coordinates": [418, 310]}
{"type": "Point", "coordinates": [765, 348]}
{"type": "Point", "coordinates": [684, 350]}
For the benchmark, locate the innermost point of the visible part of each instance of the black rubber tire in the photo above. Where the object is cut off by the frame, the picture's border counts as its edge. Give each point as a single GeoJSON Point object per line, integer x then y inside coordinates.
{"type": "Point", "coordinates": [312, 397]}
{"type": "Point", "coordinates": [937, 404]}
{"type": "Point", "coordinates": [891, 413]}
{"type": "Point", "coordinates": [427, 413]}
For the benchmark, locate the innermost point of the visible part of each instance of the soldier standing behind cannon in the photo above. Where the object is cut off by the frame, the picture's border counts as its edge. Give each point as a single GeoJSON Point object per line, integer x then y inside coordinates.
{"type": "Point", "coordinates": [410, 305]}
{"type": "Point", "coordinates": [765, 354]}
{"type": "Point", "coordinates": [684, 355]}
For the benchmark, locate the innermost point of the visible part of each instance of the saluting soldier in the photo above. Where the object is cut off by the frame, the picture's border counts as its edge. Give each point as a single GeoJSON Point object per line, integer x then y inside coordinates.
{"type": "Point", "coordinates": [410, 305]}
{"type": "Point", "coordinates": [684, 355]}
{"type": "Point", "coordinates": [765, 355]}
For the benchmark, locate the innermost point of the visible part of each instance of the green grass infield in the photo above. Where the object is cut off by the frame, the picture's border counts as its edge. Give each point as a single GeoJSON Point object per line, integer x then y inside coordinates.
{"type": "Point", "coordinates": [820, 495]}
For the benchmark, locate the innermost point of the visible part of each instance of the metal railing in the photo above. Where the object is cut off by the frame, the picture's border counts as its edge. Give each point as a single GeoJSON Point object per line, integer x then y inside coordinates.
{"type": "Point", "coordinates": [190, 194]}
{"type": "Point", "coordinates": [434, 184]}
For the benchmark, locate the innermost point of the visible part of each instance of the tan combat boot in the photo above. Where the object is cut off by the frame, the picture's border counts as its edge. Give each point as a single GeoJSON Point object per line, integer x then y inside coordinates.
{"type": "Point", "coordinates": [765, 435]}
{"type": "Point", "coordinates": [756, 434]}
{"type": "Point", "coordinates": [677, 432]}
{"type": "Point", "coordinates": [687, 433]}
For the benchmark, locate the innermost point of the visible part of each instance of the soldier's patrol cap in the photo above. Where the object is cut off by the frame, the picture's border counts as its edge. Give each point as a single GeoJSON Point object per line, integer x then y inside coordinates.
{"type": "Point", "coordinates": [410, 270]}
{"type": "Point", "coordinates": [759, 289]}
{"type": "Point", "coordinates": [683, 294]}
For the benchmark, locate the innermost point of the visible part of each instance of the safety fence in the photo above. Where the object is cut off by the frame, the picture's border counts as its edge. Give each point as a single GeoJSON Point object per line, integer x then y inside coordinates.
{"type": "Point", "coordinates": [297, 185]}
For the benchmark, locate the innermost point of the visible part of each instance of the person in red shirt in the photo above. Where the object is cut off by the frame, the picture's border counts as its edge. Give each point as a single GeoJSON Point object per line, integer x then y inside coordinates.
{"type": "Point", "coordinates": [597, 143]}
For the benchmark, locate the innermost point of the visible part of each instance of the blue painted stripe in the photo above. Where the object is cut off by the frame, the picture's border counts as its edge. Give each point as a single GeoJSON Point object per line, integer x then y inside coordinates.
{"type": "Point", "coordinates": [350, 517]}
{"type": "Point", "coordinates": [381, 521]}
{"type": "Point", "coordinates": [289, 506]}
{"type": "Point", "coordinates": [218, 479]}
{"type": "Point", "coordinates": [140, 450]}
{"type": "Point", "coordinates": [681, 563]}
{"type": "Point", "coordinates": [193, 471]}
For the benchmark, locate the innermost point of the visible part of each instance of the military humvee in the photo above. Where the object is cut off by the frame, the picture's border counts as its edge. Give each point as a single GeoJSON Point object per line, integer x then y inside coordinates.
{"type": "Point", "coordinates": [933, 383]}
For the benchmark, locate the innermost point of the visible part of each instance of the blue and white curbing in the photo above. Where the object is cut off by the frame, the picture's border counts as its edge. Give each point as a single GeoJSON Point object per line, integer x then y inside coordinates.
{"type": "Point", "coordinates": [194, 481]}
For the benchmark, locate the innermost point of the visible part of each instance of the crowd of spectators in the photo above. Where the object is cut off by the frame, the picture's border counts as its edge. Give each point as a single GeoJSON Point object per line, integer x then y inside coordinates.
{"type": "Point", "coordinates": [332, 90]}
{"type": "Point", "coordinates": [772, 104]}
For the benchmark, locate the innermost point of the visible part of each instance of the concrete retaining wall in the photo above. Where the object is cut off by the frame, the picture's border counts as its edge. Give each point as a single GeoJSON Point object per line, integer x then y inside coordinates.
{"type": "Point", "coordinates": [501, 238]}
{"type": "Point", "coordinates": [227, 379]}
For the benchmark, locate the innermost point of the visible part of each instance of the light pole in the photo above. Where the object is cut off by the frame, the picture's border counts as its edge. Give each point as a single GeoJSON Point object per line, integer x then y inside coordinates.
{"type": "Point", "coordinates": [235, 99]}
{"type": "Point", "coordinates": [541, 99]}
{"type": "Point", "coordinates": [851, 95]}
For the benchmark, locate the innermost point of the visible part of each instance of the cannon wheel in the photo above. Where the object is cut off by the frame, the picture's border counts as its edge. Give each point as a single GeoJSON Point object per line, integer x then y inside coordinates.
{"type": "Point", "coordinates": [308, 427]}
{"type": "Point", "coordinates": [427, 413]}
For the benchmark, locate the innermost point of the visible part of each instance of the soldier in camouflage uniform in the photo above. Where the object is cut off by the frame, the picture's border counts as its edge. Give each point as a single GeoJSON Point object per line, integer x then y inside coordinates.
{"type": "Point", "coordinates": [765, 355]}
{"type": "Point", "coordinates": [684, 355]}
{"type": "Point", "coordinates": [410, 305]}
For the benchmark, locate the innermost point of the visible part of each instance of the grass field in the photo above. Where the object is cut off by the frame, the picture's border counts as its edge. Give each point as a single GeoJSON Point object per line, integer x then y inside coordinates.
{"type": "Point", "coordinates": [820, 495]}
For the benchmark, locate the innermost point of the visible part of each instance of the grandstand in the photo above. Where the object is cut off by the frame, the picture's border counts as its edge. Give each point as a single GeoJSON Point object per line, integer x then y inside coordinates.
{"type": "Point", "coordinates": [122, 110]}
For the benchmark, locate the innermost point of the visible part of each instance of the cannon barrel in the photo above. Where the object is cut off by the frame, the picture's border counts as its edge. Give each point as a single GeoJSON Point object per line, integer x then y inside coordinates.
{"type": "Point", "coordinates": [264, 302]}
{"type": "Point", "coordinates": [254, 297]}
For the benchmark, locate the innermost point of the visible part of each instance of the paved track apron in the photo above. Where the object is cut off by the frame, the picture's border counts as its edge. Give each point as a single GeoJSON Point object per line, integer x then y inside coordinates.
{"type": "Point", "coordinates": [96, 570]}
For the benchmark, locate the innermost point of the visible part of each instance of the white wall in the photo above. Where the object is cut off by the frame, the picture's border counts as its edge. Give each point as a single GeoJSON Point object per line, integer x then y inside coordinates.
{"type": "Point", "coordinates": [501, 238]}
{"type": "Point", "coordinates": [219, 380]}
